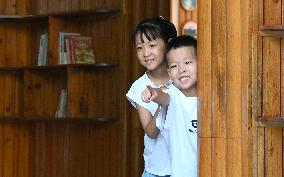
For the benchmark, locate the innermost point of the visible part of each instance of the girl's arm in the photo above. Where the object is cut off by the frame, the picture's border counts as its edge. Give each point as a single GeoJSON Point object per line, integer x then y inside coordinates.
{"type": "Point", "coordinates": [148, 122]}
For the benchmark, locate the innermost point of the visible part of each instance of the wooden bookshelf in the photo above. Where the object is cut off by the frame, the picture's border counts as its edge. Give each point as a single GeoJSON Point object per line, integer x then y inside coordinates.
{"type": "Point", "coordinates": [30, 93]}
{"type": "Point", "coordinates": [272, 30]}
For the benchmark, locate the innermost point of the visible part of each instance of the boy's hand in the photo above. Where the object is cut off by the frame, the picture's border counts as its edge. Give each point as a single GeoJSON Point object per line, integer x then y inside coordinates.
{"type": "Point", "coordinates": [149, 94]}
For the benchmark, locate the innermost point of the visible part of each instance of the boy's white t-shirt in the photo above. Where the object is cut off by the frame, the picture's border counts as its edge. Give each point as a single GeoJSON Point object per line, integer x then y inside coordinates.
{"type": "Point", "coordinates": [181, 127]}
{"type": "Point", "coordinates": [156, 152]}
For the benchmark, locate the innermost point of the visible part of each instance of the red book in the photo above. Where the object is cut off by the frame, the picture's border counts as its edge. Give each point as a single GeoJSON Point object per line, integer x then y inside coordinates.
{"type": "Point", "coordinates": [82, 49]}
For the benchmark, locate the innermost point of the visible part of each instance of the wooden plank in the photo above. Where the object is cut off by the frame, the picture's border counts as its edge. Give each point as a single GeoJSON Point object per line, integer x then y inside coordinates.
{"type": "Point", "coordinates": [79, 149]}
{"type": "Point", "coordinates": [22, 7]}
{"type": "Point", "coordinates": [234, 74]}
{"type": "Point", "coordinates": [271, 77]}
{"type": "Point", "coordinates": [248, 129]}
{"type": "Point", "coordinates": [204, 80]}
{"type": "Point", "coordinates": [3, 45]}
{"type": "Point", "coordinates": [2, 141]}
{"type": "Point", "coordinates": [19, 98]}
{"type": "Point", "coordinates": [219, 156]}
{"type": "Point", "coordinates": [8, 150]}
{"type": "Point", "coordinates": [101, 155]}
{"type": "Point", "coordinates": [3, 6]}
{"type": "Point", "coordinates": [9, 103]}
{"type": "Point", "coordinates": [23, 152]}
{"type": "Point", "coordinates": [21, 46]}
{"type": "Point", "coordinates": [273, 152]}
{"type": "Point", "coordinates": [271, 12]}
{"type": "Point", "coordinates": [260, 152]}
{"type": "Point", "coordinates": [43, 6]}
{"type": "Point", "coordinates": [11, 46]}
{"type": "Point", "coordinates": [66, 147]}
{"type": "Point", "coordinates": [234, 157]}
{"type": "Point", "coordinates": [205, 157]}
{"type": "Point", "coordinates": [2, 94]}
{"type": "Point", "coordinates": [218, 72]}
{"type": "Point", "coordinates": [11, 6]}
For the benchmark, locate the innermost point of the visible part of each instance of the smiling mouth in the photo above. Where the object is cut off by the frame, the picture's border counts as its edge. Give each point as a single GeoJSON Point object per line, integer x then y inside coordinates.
{"type": "Point", "coordinates": [149, 61]}
{"type": "Point", "coordinates": [183, 79]}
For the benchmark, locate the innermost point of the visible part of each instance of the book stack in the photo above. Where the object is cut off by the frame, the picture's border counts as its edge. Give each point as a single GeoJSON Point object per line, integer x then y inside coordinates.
{"type": "Point", "coordinates": [42, 58]}
{"type": "Point", "coordinates": [75, 49]}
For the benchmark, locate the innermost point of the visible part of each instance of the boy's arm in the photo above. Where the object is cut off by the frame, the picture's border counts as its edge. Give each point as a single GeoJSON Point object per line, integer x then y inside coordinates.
{"type": "Point", "coordinates": [155, 94]}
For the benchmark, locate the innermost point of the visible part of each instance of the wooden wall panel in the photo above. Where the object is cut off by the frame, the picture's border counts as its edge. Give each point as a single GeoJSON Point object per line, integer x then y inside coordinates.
{"type": "Point", "coordinates": [204, 69]}
{"type": "Point", "coordinates": [224, 84]}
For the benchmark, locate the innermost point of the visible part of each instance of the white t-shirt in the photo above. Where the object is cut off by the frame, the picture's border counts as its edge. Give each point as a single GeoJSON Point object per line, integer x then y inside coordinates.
{"type": "Point", "coordinates": [156, 153]}
{"type": "Point", "coordinates": [181, 127]}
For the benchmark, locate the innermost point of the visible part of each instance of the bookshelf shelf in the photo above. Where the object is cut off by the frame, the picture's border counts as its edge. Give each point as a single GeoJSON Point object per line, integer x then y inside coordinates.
{"type": "Point", "coordinates": [22, 18]}
{"type": "Point", "coordinates": [272, 30]}
{"type": "Point", "coordinates": [53, 119]}
{"type": "Point", "coordinates": [270, 121]}
{"type": "Point", "coordinates": [65, 66]}
{"type": "Point", "coordinates": [11, 69]}
{"type": "Point", "coordinates": [61, 66]}
{"type": "Point", "coordinates": [44, 17]}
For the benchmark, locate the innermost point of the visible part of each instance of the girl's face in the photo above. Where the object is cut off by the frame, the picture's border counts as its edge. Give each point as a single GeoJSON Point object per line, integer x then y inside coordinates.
{"type": "Point", "coordinates": [182, 69]}
{"type": "Point", "coordinates": [151, 54]}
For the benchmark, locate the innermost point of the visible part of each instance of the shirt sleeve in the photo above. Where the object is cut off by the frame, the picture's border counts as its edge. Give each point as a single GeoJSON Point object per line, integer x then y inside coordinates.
{"type": "Point", "coordinates": [134, 95]}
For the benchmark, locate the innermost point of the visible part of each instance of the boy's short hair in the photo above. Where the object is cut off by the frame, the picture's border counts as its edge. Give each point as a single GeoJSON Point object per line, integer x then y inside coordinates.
{"type": "Point", "coordinates": [182, 41]}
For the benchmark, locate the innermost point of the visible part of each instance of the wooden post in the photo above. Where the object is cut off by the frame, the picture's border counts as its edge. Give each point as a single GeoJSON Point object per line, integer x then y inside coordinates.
{"type": "Point", "coordinates": [224, 77]}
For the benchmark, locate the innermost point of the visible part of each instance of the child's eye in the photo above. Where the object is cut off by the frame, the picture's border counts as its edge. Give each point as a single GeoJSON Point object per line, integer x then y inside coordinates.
{"type": "Point", "coordinates": [188, 62]}
{"type": "Point", "coordinates": [173, 66]}
{"type": "Point", "coordinates": [152, 45]}
{"type": "Point", "coordinates": [138, 48]}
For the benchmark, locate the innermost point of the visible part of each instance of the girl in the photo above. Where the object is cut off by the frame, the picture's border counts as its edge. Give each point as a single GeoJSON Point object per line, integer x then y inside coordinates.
{"type": "Point", "coordinates": [150, 38]}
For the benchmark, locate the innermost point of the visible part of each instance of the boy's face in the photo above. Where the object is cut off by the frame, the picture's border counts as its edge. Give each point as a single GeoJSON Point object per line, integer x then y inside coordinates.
{"type": "Point", "coordinates": [150, 54]}
{"type": "Point", "coordinates": [183, 69]}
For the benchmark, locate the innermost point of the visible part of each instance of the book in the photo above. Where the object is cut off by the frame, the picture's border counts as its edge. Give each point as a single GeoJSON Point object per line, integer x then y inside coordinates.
{"type": "Point", "coordinates": [63, 59]}
{"type": "Point", "coordinates": [82, 50]}
{"type": "Point", "coordinates": [42, 58]}
{"type": "Point", "coordinates": [61, 111]}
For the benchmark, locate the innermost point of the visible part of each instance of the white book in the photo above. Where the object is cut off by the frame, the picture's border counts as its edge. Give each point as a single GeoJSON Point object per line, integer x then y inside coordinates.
{"type": "Point", "coordinates": [61, 111]}
{"type": "Point", "coordinates": [40, 50]}
{"type": "Point", "coordinates": [45, 50]}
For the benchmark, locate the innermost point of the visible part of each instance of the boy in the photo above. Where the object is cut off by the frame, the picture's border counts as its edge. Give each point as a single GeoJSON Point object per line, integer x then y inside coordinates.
{"type": "Point", "coordinates": [181, 99]}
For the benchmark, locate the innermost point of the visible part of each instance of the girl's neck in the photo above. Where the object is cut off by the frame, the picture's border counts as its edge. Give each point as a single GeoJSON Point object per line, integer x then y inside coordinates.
{"type": "Point", "coordinates": [160, 75]}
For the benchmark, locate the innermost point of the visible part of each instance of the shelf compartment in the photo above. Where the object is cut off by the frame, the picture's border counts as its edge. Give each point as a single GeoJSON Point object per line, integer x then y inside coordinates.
{"type": "Point", "coordinates": [270, 121]}
{"type": "Point", "coordinates": [11, 96]}
{"type": "Point", "coordinates": [272, 30]}
{"type": "Point", "coordinates": [42, 90]}
{"type": "Point", "coordinates": [92, 93]}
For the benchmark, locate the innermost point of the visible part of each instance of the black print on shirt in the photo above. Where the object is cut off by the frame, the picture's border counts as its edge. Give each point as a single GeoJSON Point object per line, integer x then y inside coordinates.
{"type": "Point", "coordinates": [193, 127]}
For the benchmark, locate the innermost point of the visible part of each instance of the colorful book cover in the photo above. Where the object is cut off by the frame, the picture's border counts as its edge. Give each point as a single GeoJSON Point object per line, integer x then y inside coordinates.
{"type": "Point", "coordinates": [82, 48]}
